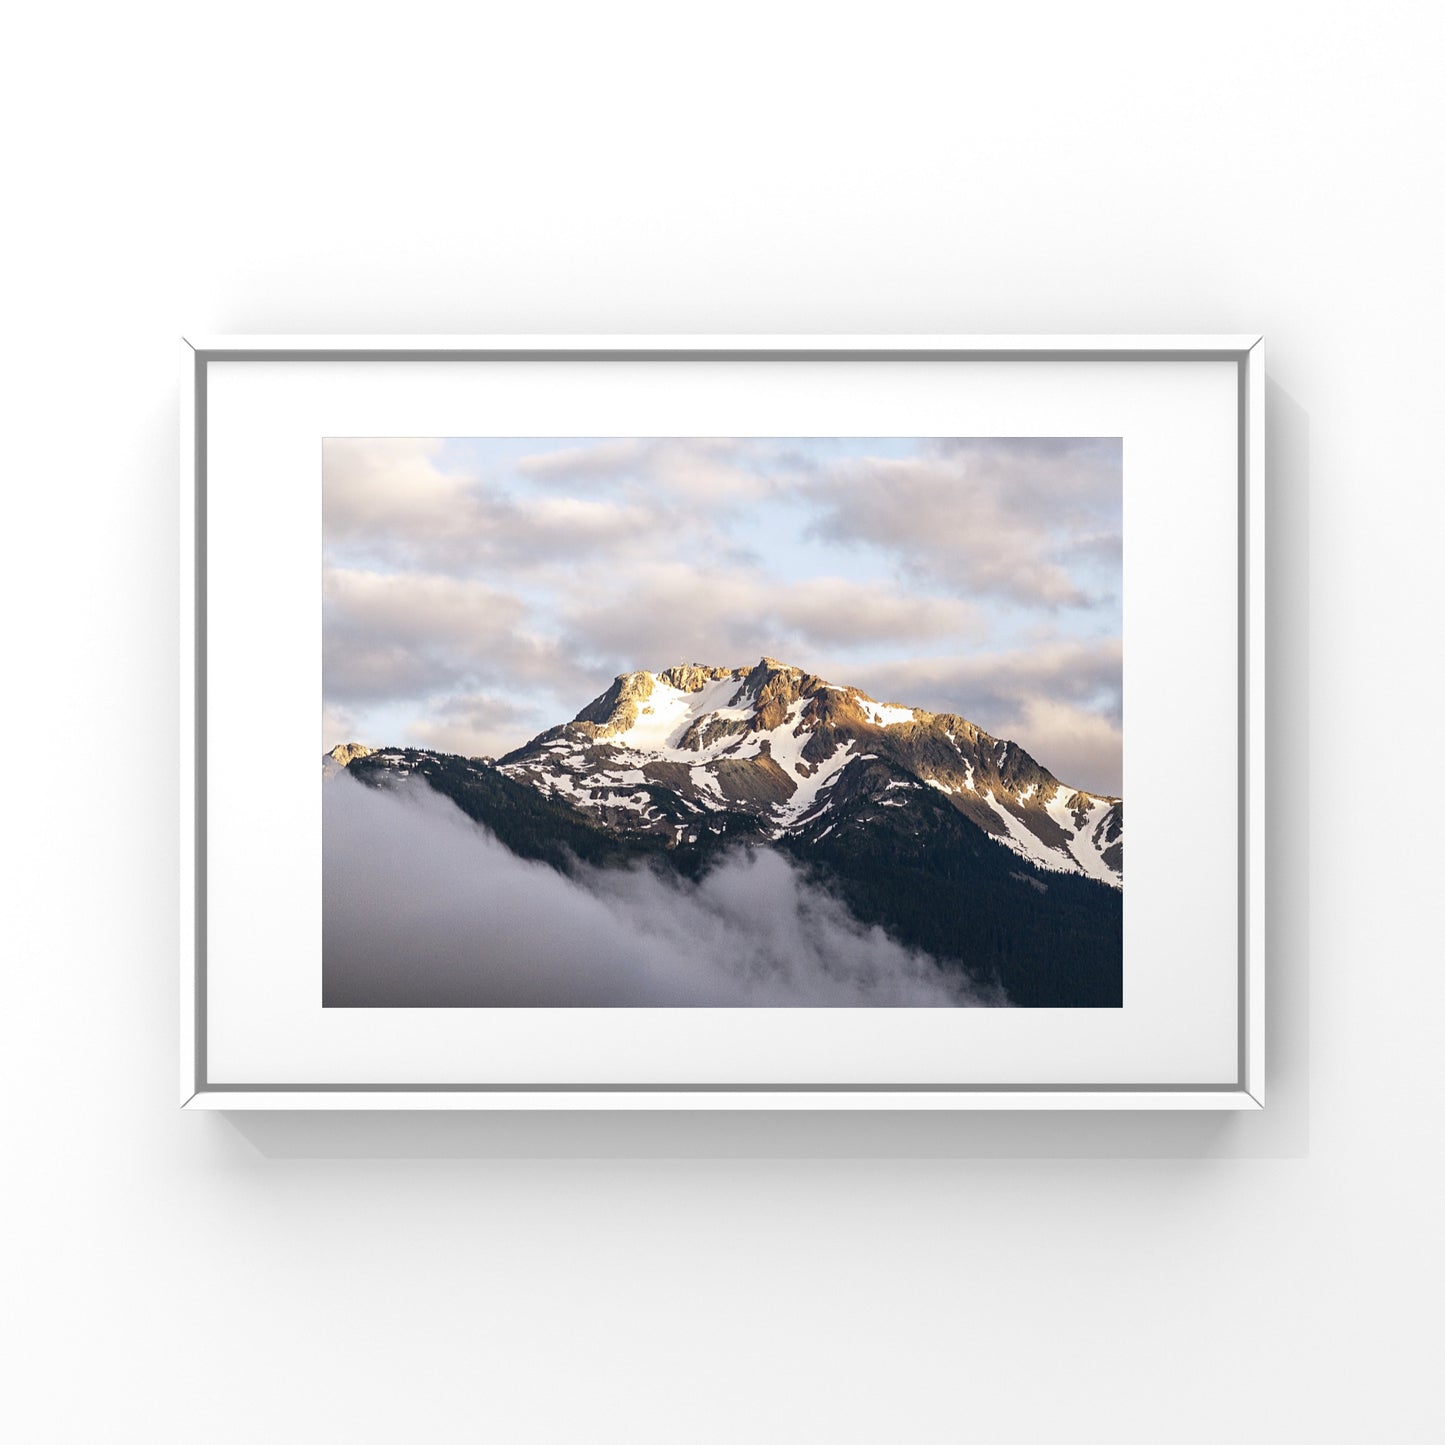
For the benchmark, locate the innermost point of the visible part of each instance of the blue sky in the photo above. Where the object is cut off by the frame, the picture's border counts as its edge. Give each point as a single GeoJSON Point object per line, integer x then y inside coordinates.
{"type": "Point", "coordinates": [479, 590]}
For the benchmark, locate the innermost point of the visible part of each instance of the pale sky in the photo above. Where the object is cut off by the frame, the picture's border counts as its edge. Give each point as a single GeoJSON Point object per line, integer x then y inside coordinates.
{"type": "Point", "coordinates": [477, 591]}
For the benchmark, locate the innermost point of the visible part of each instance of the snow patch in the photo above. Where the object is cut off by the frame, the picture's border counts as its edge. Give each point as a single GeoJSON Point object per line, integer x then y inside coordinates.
{"type": "Point", "coordinates": [706, 780]}
{"type": "Point", "coordinates": [884, 714]}
{"type": "Point", "coordinates": [633, 803]}
{"type": "Point", "coordinates": [663, 712]}
{"type": "Point", "coordinates": [787, 741]}
{"type": "Point", "coordinates": [805, 797]}
{"type": "Point", "coordinates": [1026, 844]}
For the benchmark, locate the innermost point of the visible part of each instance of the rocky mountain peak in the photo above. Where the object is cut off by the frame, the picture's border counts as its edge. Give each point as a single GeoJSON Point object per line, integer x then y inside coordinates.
{"type": "Point", "coordinates": [694, 676]}
{"type": "Point", "coordinates": [344, 753]}
{"type": "Point", "coordinates": [769, 672]}
{"type": "Point", "coordinates": [776, 686]}
{"type": "Point", "coordinates": [617, 709]}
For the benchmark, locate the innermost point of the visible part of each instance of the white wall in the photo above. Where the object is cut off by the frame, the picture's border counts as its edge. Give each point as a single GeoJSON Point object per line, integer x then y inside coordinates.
{"type": "Point", "coordinates": [753, 168]}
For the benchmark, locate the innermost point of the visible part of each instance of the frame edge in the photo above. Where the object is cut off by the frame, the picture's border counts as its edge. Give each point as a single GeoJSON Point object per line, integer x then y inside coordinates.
{"type": "Point", "coordinates": [591, 1101]}
{"type": "Point", "coordinates": [1249, 349]}
{"type": "Point", "coordinates": [1252, 1072]}
{"type": "Point", "coordinates": [189, 598]}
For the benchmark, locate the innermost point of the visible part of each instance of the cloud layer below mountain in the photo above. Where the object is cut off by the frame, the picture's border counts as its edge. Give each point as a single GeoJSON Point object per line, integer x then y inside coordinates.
{"type": "Point", "coordinates": [425, 908]}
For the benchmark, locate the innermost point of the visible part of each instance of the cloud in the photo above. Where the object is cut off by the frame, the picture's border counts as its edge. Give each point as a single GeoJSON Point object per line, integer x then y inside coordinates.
{"type": "Point", "coordinates": [390, 636]}
{"type": "Point", "coordinates": [338, 725]}
{"type": "Point", "coordinates": [374, 486]}
{"type": "Point", "coordinates": [1079, 670]}
{"type": "Point", "coordinates": [477, 725]}
{"type": "Point", "coordinates": [1041, 472]}
{"type": "Point", "coordinates": [1061, 701]}
{"type": "Point", "coordinates": [676, 610]}
{"type": "Point", "coordinates": [713, 470]}
{"type": "Point", "coordinates": [1028, 520]}
{"type": "Point", "coordinates": [1078, 746]}
{"type": "Point", "coordinates": [386, 502]}
{"type": "Point", "coordinates": [424, 908]}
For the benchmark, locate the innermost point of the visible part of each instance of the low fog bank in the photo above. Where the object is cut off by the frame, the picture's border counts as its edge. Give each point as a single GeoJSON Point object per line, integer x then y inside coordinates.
{"type": "Point", "coordinates": [424, 908]}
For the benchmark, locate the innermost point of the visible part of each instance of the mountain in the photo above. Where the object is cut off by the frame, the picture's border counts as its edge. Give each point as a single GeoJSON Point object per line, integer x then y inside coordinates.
{"type": "Point", "coordinates": [955, 842]}
{"type": "Point", "coordinates": [795, 753]}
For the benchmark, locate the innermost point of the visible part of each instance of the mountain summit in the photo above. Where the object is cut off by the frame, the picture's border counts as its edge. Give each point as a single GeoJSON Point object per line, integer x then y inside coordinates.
{"type": "Point", "coordinates": [691, 752]}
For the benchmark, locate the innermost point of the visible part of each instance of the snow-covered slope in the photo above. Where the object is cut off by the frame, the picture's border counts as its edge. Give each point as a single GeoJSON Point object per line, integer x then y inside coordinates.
{"type": "Point", "coordinates": [684, 751]}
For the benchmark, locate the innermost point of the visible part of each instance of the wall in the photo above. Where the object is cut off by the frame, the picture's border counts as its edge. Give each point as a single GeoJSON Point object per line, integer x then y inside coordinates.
{"type": "Point", "coordinates": [748, 168]}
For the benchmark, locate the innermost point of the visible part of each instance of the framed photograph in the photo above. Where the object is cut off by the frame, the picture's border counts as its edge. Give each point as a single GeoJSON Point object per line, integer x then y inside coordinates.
{"type": "Point", "coordinates": [722, 722]}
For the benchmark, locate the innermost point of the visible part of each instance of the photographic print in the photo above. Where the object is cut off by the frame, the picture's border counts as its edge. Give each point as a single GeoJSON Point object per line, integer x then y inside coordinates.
{"type": "Point", "coordinates": [722, 722]}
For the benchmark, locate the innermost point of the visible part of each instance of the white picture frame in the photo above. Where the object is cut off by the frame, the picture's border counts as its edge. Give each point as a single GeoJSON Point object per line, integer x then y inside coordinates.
{"type": "Point", "coordinates": [1229, 551]}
